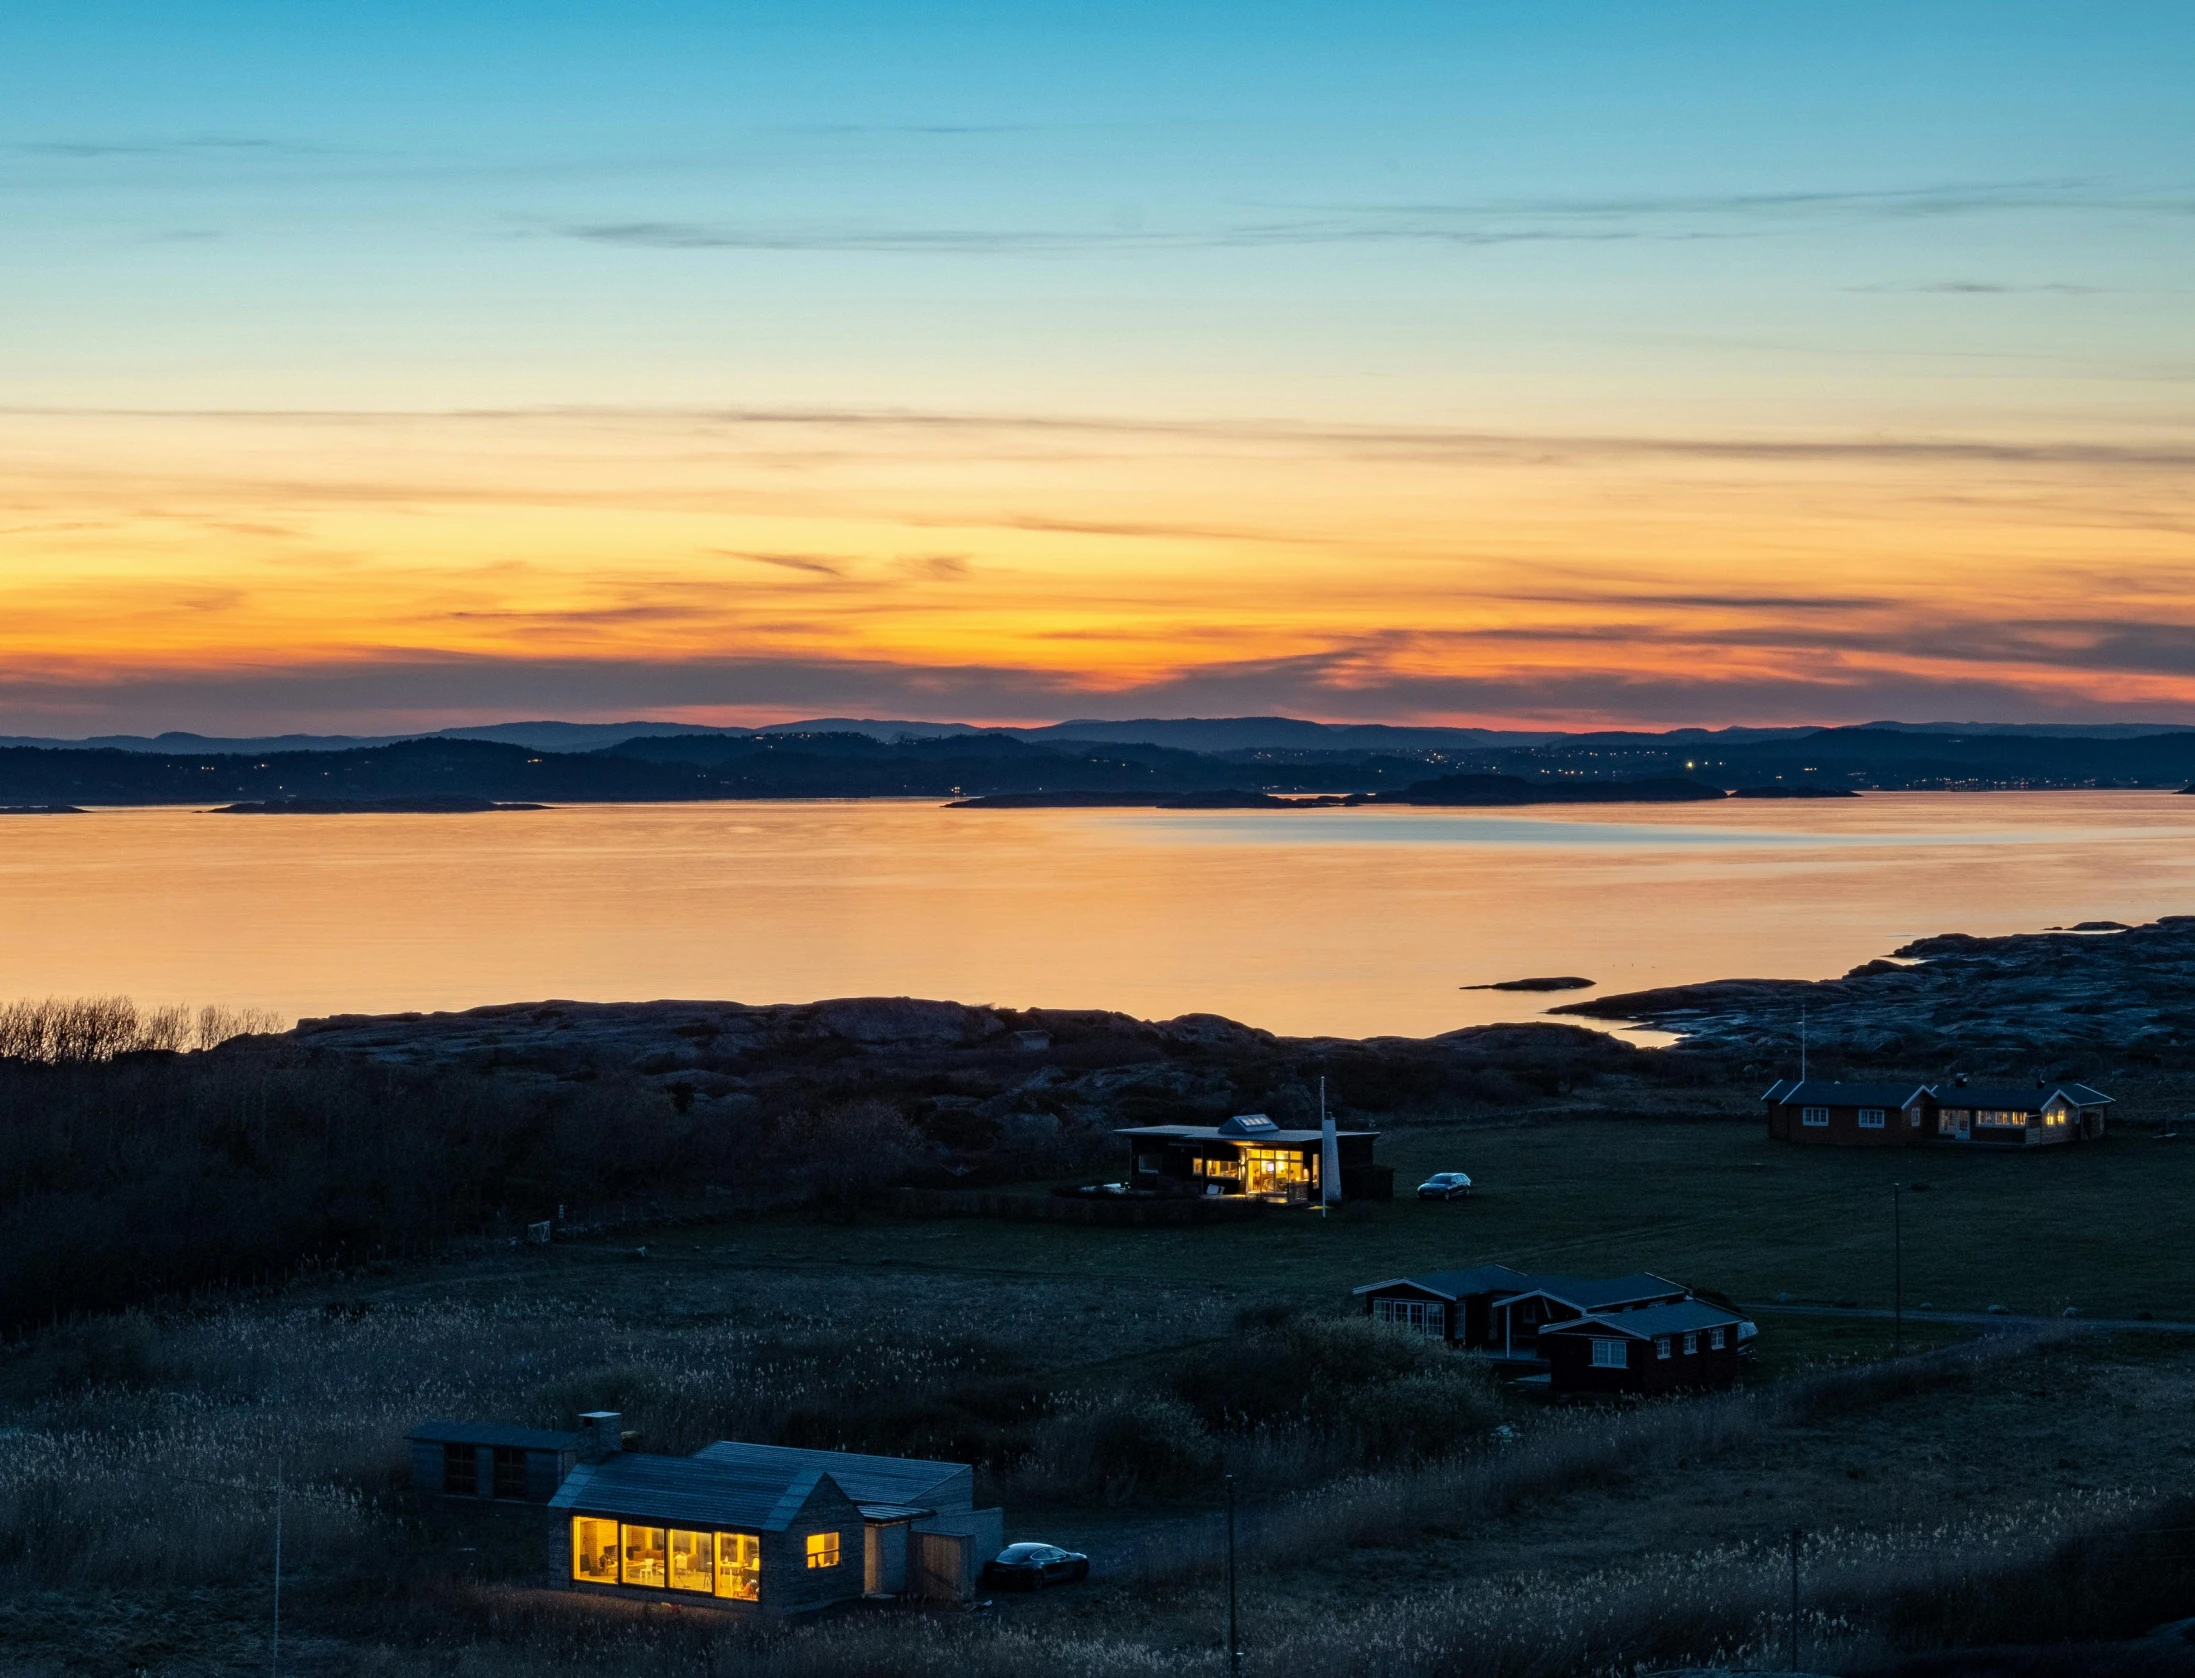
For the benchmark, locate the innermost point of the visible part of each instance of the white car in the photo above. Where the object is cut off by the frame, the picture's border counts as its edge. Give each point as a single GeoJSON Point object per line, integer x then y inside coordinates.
{"type": "Point", "coordinates": [1444, 1185]}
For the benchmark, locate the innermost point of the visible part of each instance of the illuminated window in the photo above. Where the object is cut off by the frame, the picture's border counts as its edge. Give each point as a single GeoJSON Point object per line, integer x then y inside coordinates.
{"type": "Point", "coordinates": [1814, 1115]}
{"type": "Point", "coordinates": [823, 1549]}
{"type": "Point", "coordinates": [739, 1566]}
{"type": "Point", "coordinates": [693, 1561]}
{"type": "Point", "coordinates": [1871, 1118]}
{"type": "Point", "coordinates": [594, 1550]}
{"type": "Point", "coordinates": [460, 1470]}
{"type": "Point", "coordinates": [1215, 1168]}
{"type": "Point", "coordinates": [1949, 1119]}
{"type": "Point", "coordinates": [642, 1549]}
{"type": "Point", "coordinates": [1661, 1347]}
{"type": "Point", "coordinates": [1426, 1317]}
{"type": "Point", "coordinates": [1272, 1170]}
{"type": "Point", "coordinates": [1610, 1354]}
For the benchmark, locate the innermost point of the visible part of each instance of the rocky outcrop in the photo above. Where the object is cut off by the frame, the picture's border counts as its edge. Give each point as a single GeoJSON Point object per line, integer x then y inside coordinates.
{"type": "Point", "coordinates": [1992, 1001]}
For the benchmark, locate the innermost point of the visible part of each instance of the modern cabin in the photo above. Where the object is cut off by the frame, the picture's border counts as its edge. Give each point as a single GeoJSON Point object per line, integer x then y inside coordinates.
{"type": "Point", "coordinates": [1658, 1349]}
{"type": "Point", "coordinates": [1848, 1115]}
{"type": "Point", "coordinates": [488, 1462]}
{"type": "Point", "coordinates": [1251, 1155]}
{"type": "Point", "coordinates": [749, 1528]}
{"type": "Point", "coordinates": [1982, 1115]}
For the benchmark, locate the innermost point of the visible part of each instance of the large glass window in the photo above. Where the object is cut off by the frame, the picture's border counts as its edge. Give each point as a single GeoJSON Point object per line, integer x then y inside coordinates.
{"type": "Point", "coordinates": [823, 1549]}
{"type": "Point", "coordinates": [1871, 1118]}
{"type": "Point", "coordinates": [739, 1566]}
{"type": "Point", "coordinates": [1420, 1316]}
{"type": "Point", "coordinates": [1814, 1115]}
{"type": "Point", "coordinates": [1273, 1170]}
{"type": "Point", "coordinates": [510, 1471]}
{"type": "Point", "coordinates": [693, 1561]}
{"type": "Point", "coordinates": [643, 1556]}
{"type": "Point", "coordinates": [594, 1550]}
{"type": "Point", "coordinates": [461, 1470]}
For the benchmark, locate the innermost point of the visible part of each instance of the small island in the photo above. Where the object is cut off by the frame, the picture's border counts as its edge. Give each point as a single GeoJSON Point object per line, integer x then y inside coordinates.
{"type": "Point", "coordinates": [450, 805]}
{"type": "Point", "coordinates": [1569, 982]}
{"type": "Point", "coordinates": [40, 810]}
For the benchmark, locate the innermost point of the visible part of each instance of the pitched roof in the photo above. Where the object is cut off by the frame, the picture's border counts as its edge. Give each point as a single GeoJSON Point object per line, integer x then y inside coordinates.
{"type": "Point", "coordinates": [686, 1491]}
{"type": "Point", "coordinates": [905, 1480]}
{"type": "Point", "coordinates": [492, 1433]}
{"type": "Point", "coordinates": [1589, 1293]}
{"type": "Point", "coordinates": [1454, 1284]}
{"type": "Point", "coordinates": [2015, 1097]}
{"type": "Point", "coordinates": [1821, 1092]}
{"type": "Point", "coordinates": [1682, 1317]}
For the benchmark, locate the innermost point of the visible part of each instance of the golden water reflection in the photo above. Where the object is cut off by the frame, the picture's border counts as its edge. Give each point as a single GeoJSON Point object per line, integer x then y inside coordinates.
{"type": "Point", "coordinates": [1352, 922]}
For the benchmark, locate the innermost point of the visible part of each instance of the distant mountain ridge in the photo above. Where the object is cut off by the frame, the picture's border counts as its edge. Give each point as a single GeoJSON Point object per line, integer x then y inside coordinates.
{"type": "Point", "coordinates": [1197, 734]}
{"type": "Point", "coordinates": [662, 765]}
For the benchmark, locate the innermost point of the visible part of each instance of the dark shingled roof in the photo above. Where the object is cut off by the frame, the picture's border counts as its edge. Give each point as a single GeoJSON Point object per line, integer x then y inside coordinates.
{"type": "Point", "coordinates": [492, 1433]}
{"type": "Point", "coordinates": [685, 1491]}
{"type": "Point", "coordinates": [1589, 1293]}
{"type": "Point", "coordinates": [1820, 1092]}
{"type": "Point", "coordinates": [1680, 1318]}
{"type": "Point", "coordinates": [2015, 1097]}
{"type": "Point", "coordinates": [905, 1480]}
{"type": "Point", "coordinates": [1454, 1284]}
{"type": "Point", "coordinates": [1220, 1133]}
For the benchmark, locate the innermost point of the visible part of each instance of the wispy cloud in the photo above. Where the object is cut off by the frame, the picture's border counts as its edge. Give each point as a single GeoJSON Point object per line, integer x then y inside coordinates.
{"type": "Point", "coordinates": [813, 564]}
{"type": "Point", "coordinates": [1982, 288]}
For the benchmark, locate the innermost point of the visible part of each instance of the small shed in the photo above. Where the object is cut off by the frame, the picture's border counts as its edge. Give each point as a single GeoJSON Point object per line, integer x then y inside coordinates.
{"type": "Point", "coordinates": [489, 1461]}
{"type": "Point", "coordinates": [1659, 1349]}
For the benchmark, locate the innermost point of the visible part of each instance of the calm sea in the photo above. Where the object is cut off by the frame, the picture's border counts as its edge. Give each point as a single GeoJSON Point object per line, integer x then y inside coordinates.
{"type": "Point", "coordinates": [1346, 921]}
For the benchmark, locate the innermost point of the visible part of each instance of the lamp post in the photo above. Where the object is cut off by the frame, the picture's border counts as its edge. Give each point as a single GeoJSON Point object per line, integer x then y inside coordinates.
{"type": "Point", "coordinates": [1234, 1642]}
{"type": "Point", "coordinates": [1897, 1271]}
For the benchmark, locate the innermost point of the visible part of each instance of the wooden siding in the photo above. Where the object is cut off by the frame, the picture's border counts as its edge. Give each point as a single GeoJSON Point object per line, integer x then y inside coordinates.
{"type": "Point", "coordinates": [789, 1584]}
{"type": "Point", "coordinates": [1788, 1124]}
{"type": "Point", "coordinates": [1571, 1369]}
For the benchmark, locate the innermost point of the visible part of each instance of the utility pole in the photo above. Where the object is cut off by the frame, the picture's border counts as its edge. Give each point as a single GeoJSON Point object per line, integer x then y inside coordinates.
{"type": "Point", "coordinates": [1234, 1642]}
{"type": "Point", "coordinates": [1897, 1272]}
{"type": "Point", "coordinates": [274, 1664]}
{"type": "Point", "coordinates": [1795, 1535]}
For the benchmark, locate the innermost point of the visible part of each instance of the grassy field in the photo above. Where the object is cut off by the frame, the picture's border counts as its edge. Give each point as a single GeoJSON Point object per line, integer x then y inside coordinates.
{"type": "Point", "coordinates": [1710, 1203]}
{"type": "Point", "coordinates": [1641, 1533]}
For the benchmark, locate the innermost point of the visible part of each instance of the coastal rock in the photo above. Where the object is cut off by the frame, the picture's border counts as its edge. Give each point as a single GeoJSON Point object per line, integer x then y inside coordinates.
{"type": "Point", "coordinates": [1994, 1001]}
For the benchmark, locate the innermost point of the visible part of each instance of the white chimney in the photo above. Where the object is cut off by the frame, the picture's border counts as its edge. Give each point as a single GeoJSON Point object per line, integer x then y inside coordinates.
{"type": "Point", "coordinates": [601, 1435]}
{"type": "Point", "coordinates": [1329, 1153]}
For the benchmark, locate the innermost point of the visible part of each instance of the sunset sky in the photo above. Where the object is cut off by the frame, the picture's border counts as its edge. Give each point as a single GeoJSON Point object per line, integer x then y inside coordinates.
{"type": "Point", "coordinates": [391, 365]}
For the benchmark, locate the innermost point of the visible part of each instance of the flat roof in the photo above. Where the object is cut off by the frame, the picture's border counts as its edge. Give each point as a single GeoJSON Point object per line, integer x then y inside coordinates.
{"type": "Point", "coordinates": [1219, 1133]}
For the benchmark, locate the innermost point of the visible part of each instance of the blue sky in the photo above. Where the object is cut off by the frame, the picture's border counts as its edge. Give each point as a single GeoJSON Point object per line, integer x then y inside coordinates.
{"type": "Point", "coordinates": [1667, 221]}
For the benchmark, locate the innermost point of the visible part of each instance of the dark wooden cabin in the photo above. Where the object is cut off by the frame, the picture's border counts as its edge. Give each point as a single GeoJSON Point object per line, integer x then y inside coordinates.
{"type": "Point", "coordinates": [1454, 1307]}
{"type": "Point", "coordinates": [1518, 1320]}
{"type": "Point", "coordinates": [1251, 1155]}
{"type": "Point", "coordinates": [1842, 1115]}
{"type": "Point", "coordinates": [1659, 1349]}
{"type": "Point", "coordinates": [2007, 1116]}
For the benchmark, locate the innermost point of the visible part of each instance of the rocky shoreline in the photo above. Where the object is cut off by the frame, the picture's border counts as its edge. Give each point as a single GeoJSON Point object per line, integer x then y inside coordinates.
{"type": "Point", "coordinates": [1988, 1003]}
